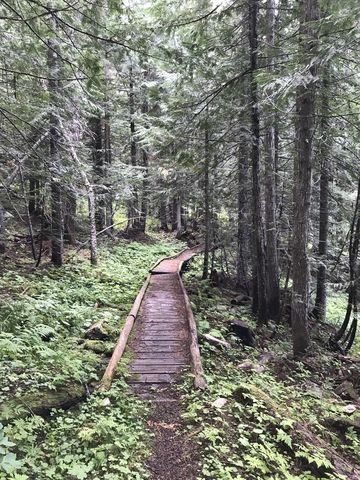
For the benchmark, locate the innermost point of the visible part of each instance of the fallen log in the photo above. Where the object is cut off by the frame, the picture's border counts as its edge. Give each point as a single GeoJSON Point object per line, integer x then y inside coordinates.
{"type": "Point", "coordinates": [42, 402]}
{"type": "Point", "coordinates": [342, 423]}
{"type": "Point", "coordinates": [216, 341]}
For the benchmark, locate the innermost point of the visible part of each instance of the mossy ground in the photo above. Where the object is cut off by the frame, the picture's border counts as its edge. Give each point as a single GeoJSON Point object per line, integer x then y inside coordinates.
{"type": "Point", "coordinates": [44, 315]}
{"type": "Point", "coordinates": [274, 424]}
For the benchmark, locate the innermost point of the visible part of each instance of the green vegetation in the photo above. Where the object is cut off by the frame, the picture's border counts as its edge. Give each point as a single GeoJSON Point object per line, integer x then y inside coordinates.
{"type": "Point", "coordinates": [45, 314]}
{"type": "Point", "coordinates": [274, 423]}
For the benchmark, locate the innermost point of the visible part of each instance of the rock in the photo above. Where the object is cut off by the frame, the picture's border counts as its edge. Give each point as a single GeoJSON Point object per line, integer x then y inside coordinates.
{"type": "Point", "coordinates": [251, 367]}
{"type": "Point", "coordinates": [222, 308]}
{"type": "Point", "coordinates": [219, 402]}
{"type": "Point", "coordinates": [351, 408]}
{"type": "Point", "coordinates": [246, 366]}
{"type": "Point", "coordinates": [347, 391]}
{"type": "Point", "coordinates": [98, 346]}
{"type": "Point", "coordinates": [106, 402]}
{"type": "Point", "coordinates": [97, 332]}
{"type": "Point", "coordinates": [242, 331]}
{"type": "Point", "coordinates": [265, 357]}
{"type": "Point", "coordinates": [241, 299]}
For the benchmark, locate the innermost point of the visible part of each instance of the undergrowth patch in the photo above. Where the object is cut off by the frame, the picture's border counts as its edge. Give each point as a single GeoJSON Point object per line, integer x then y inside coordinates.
{"type": "Point", "coordinates": [264, 416]}
{"type": "Point", "coordinates": [44, 315]}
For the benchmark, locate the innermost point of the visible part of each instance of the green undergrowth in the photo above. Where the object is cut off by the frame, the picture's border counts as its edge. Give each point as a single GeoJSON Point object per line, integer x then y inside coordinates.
{"type": "Point", "coordinates": [44, 315]}
{"type": "Point", "coordinates": [275, 420]}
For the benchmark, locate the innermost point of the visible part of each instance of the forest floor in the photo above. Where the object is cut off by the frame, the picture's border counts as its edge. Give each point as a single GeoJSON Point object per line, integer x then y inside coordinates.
{"type": "Point", "coordinates": [262, 416]}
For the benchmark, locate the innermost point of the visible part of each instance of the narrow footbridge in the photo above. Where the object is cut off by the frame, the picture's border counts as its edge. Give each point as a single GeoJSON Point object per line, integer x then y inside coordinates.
{"type": "Point", "coordinates": [164, 342]}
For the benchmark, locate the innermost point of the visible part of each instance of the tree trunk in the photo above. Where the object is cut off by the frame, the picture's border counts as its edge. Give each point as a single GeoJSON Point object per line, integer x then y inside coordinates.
{"type": "Point", "coordinates": [206, 204]}
{"type": "Point", "coordinates": [34, 196]}
{"type": "Point", "coordinates": [69, 216]}
{"type": "Point", "coordinates": [324, 151]}
{"type": "Point", "coordinates": [259, 273]}
{"type": "Point", "coordinates": [2, 230]}
{"type": "Point", "coordinates": [145, 165]}
{"type": "Point", "coordinates": [163, 216]}
{"type": "Point", "coordinates": [57, 227]}
{"type": "Point", "coordinates": [133, 207]}
{"type": "Point", "coordinates": [241, 261]}
{"type": "Point", "coordinates": [108, 161]}
{"type": "Point", "coordinates": [91, 199]}
{"type": "Point", "coordinates": [99, 168]}
{"type": "Point", "coordinates": [176, 215]}
{"type": "Point", "coordinates": [305, 111]}
{"type": "Point", "coordinates": [272, 265]}
{"type": "Point", "coordinates": [353, 255]}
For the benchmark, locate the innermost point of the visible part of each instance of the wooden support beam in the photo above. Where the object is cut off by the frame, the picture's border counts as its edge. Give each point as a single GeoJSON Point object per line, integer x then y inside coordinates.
{"type": "Point", "coordinates": [122, 341]}
{"type": "Point", "coordinates": [199, 380]}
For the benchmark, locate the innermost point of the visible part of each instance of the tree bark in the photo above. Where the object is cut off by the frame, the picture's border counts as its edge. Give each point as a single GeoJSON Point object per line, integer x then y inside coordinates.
{"type": "Point", "coordinates": [69, 216]}
{"type": "Point", "coordinates": [99, 168]}
{"type": "Point", "coordinates": [145, 165]}
{"type": "Point", "coordinates": [272, 264]}
{"type": "Point", "coordinates": [2, 231]}
{"type": "Point", "coordinates": [163, 216]}
{"type": "Point", "coordinates": [108, 161]}
{"type": "Point", "coordinates": [91, 199]}
{"type": "Point", "coordinates": [324, 153]}
{"type": "Point", "coordinates": [353, 256]}
{"type": "Point", "coordinates": [34, 195]}
{"type": "Point", "coordinates": [241, 261]}
{"type": "Point", "coordinates": [57, 224]}
{"type": "Point", "coordinates": [176, 215]}
{"type": "Point", "coordinates": [305, 111]}
{"type": "Point", "coordinates": [133, 206]}
{"type": "Point", "coordinates": [259, 272]}
{"type": "Point", "coordinates": [206, 203]}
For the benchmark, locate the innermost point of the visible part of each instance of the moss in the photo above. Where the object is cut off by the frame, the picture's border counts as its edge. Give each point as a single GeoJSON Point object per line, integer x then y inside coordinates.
{"type": "Point", "coordinates": [98, 346]}
{"type": "Point", "coordinates": [41, 402]}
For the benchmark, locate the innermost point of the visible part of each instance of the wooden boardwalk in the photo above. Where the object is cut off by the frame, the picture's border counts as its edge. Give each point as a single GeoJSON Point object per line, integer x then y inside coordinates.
{"type": "Point", "coordinates": [161, 341]}
{"type": "Point", "coordinates": [165, 339]}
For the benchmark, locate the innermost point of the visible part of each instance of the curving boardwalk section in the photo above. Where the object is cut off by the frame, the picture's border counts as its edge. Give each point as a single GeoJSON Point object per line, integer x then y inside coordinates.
{"type": "Point", "coordinates": [161, 344]}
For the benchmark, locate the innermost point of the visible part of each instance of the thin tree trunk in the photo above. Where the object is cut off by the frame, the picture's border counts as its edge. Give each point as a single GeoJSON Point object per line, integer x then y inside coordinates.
{"type": "Point", "coordinates": [320, 302]}
{"type": "Point", "coordinates": [34, 194]}
{"type": "Point", "coordinates": [145, 165]}
{"type": "Point", "coordinates": [69, 216]}
{"type": "Point", "coordinates": [91, 199]}
{"type": "Point", "coordinates": [259, 293]}
{"type": "Point", "coordinates": [108, 161]}
{"type": "Point", "coordinates": [272, 265]}
{"type": "Point", "coordinates": [241, 261]}
{"type": "Point", "coordinates": [163, 216]}
{"type": "Point", "coordinates": [57, 227]}
{"type": "Point", "coordinates": [98, 166]}
{"type": "Point", "coordinates": [2, 231]}
{"type": "Point", "coordinates": [207, 204]}
{"type": "Point", "coordinates": [353, 254]}
{"type": "Point", "coordinates": [133, 207]}
{"type": "Point", "coordinates": [28, 216]}
{"type": "Point", "coordinates": [305, 111]}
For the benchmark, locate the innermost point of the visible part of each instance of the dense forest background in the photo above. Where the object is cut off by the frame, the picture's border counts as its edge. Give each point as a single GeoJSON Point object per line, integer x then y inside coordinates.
{"type": "Point", "coordinates": [234, 124]}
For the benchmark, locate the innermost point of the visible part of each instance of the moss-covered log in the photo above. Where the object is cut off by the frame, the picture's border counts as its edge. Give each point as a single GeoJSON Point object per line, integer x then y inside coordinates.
{"type": "Point", "coordinates": [42, 402]}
